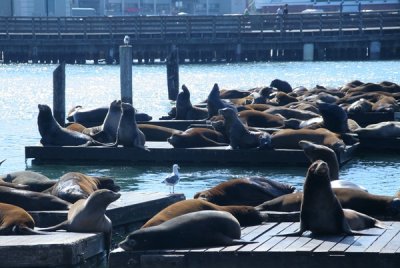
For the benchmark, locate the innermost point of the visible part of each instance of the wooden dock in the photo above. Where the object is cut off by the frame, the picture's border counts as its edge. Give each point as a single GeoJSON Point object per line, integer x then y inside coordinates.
{"type": "Point", "coordinates": [59, 249]}
{"type": "Point", "coordinates": [164, 153]}
{"type": "Point", "coordinates": [381, 145]}
{"type": "Point", "coordinates": [380, 250]}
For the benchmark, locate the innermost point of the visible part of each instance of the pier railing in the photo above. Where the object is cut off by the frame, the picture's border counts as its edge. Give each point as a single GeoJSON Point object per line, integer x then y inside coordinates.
{"type": "Point", "coordinates": [192, 27]}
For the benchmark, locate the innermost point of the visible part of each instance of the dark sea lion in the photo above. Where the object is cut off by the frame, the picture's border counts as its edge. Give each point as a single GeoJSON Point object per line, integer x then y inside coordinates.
{"type": "Point", "coordinates": [359, 221]}
{"type": "Point", "coordinates": [192, 230]}
{"type": "Point", "coordinates": [335, 118]}
{"type": "Point", "coordinates": [233, 94]}
{"type": "Point", "coordinates": [54, 135]}
{"type": "Point", "coordinates": [359, 200]}
{"type": "Point", "coordinates": [305, 106]}
{"type": "Point", "coordinates": [316, 152]}
{"type": "Point", "coordinates": [34, 181]}
{"type": "Point", "coordinates": [197, 137]}
{"type": "Point", "coordinates": [281, 85]}
{"type": "Point", "coordinates": [32, 201]}
{"type": "Point", "coordinates": [389, 129]}
{"type": "Point", "coordinates": [246, 215]}
{"type": "Point", "coordinates": [129, 135]}
{"type": "Point", "coordinates": [73, 186]}
{"type": "Point", "coordinates": [253, 118]}
{"type": "Point", "coordinates": [107, 132]}
{"type": "Point", "coordinates": [262, 95]}
{"type": "Point", "coordinates": [321, 212]}
{"type": "Point", "coordinates": [245, 191]}
{"type": "Point", "coordinates": [157, 133]}
{"type": "Point", "coordinates": [239, 136]}
{"type": "Point", "coordinates": [360, 106]}
{"type": "Point", "coordinates": [184, 108]}
{"type": "Point", "coordinates": [88, 216]}
{"type": "Point", "coordinates": [214, 102]}
{"type": "Point", "coordinates": [292, 113]}
{"type": "Point", "coordinates": [290, 138]}
{"type": "Point", "coordinates": [16, 221]}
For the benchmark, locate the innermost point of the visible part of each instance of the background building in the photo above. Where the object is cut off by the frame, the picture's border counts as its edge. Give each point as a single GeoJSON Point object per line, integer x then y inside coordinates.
{"type": "Point", "coordinates": [58, 8]}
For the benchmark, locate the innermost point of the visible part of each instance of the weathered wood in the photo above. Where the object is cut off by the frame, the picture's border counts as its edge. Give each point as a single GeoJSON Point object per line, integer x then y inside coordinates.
{"type": "Point", "coordinates": [59, 249]}
{"type": "Point", "coordinates": [173, 73]}
{"type": "Point", "coordinates": [164, 153]}
{"type": "Point", "coordinates": [125, 57]}
{"type": "Point", "coordinates": [59, 94]}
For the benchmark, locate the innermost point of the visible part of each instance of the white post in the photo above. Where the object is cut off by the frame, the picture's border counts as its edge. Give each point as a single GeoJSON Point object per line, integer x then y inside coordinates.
{"type": "Point", "coordinates": [308, 52]}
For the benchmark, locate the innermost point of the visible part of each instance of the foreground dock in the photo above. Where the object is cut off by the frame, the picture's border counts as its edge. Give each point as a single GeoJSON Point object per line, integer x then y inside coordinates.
{"type": "Point", "coordinates": [380, 250]}
{"type": "Point", "coordinates": [164, 153]}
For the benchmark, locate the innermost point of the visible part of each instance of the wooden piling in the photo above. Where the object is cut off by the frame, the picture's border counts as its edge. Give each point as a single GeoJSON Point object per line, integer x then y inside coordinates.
{"type": "Point", "coordinates": [59, 93]}
{"type": "Point", "coordinates": [173, 73]}
{"type": "Point", "coordinates": [125, 56]}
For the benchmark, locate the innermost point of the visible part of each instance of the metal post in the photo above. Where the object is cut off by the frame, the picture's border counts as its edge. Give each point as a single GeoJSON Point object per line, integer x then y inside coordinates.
{"type": "Point", "coordinates": [125, 61]}
{"type": "Point", "coordinates": [59, 94]}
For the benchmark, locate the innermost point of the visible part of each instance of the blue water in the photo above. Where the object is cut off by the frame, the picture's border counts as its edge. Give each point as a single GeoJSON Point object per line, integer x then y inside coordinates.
{"type": "Point", "coordinates": [24, 86]}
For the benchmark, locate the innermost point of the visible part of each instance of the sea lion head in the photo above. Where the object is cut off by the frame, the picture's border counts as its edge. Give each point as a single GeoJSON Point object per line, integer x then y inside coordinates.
{"type": "Point", "coordinates": [317, 175]}
{"type": "Point", "coordinates": [45, 120]}
{"type": "Point", "coordinates": [115, 105]}
{"type": "Point", "coordinates": [227, 113]}
{"type": "Point", "coordinates": [214, 91]}
{"type": "Point", "coordinates": [128, 109]}
{"type": "Point", "coordinates": [108, 183]}
{"type": "Point", "coordinates": [103, 197]}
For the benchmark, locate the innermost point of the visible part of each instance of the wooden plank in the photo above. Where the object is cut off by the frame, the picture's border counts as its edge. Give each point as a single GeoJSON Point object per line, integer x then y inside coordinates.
{"type": "Point", "coordinates": [365, 241]}
{"type": "Point", "coordinates": [384, 239]}
{"type": "Point", "coordinates": [299, 243]}
{"type": "Point", "coordinates": [266, 228]}
{"type": "Point", "coordinates": [281, 228]}
{"type": "Point", "coordinates": [345, 243]}
{"type": "Point", "coordinates": [393, 244]}
{"type": "Point", "coordinates": [287, 241]}
{"type": "Point", "coordinates": [328, 243]}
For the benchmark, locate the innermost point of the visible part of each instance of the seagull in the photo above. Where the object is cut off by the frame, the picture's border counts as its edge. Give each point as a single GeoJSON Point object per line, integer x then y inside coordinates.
{"type": "Point", "coordinates": [172, 178]}
{"type": "Point", "coordinates": [126, 40]}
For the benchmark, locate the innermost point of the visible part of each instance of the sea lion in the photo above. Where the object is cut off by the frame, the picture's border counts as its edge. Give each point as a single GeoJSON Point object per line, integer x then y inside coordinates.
{"type": "Point", "coordinates": [239, 136]}
{"type": "Point", "coordinates": [321, 212]}
{"type": "Point", "coordinates": [33, 181]}
{"type": "Point", "coordinates": [335, 118]}
{"type": "Point", "coordinates": [73, 186]}
{"type": "Point", "coordinates": [129, 135]}
{"type": "Point", "coordinates": [184, 108]}
{"type": "Point", "coordinates": [292, 113]}
{"type": "Point", "coordinates": [360, 106]}
{"type": "Point", "coordinates": [32, 201]}
{"type": "Point", "coordinates": [76, 127]}
{"type": "Point", "coordinates": [88, 216]}
{"type": "Point", "coordinates": [281, 98]}
{"type": "Point", "coordinates": [16, 221]}
{"type": "Point", "coordinates": [192, 230]}
{"type": "Point", "coordinates": [281, 85]}
{"type": "Point", "coordinates": [359, 221]}
{"type": "Point", "coordinates": [214, 102]}
{"type": "Point", "coordinates": [290, 138]}
{"type": "Point", "coordinates": [246, 215]}
{"type": "Point", "coordinates": [359, 200]}
{"type": "Point", "coordinates": [197, 137]}
{"type": "Point", "coordinates": [157, 133]}
{"type": "Point", "coordinates": [253, 118]}
{"type": "Point", "coordinates": [316, 152]}
{"type": "Point", "coordinates": [250, 191]}
{"type": "Point", "coordinates": [233, 94]}
{"type": "Point", "coordinates": [14, 185]}
{"type": "Point", "coordinates": [389, 129]}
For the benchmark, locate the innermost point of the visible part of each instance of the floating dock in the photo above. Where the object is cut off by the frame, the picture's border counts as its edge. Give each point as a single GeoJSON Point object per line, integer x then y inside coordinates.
{"type": "Point", "coordinates": [164, 153]}
{"type": "Point", "coordinates": [382, 145]}
{"type": "Point", "coordinates": [379, 250]}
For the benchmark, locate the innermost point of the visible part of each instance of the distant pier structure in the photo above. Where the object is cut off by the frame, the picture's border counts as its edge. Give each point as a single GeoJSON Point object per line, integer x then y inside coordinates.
{"type": "Point", "coordinates": [203, 39]}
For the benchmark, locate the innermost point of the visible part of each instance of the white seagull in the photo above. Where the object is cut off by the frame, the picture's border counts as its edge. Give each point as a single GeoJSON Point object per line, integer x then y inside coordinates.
{"type": "Point", "coordinates": [172, 178]}
{"type": "Point", "coordinates": [126, 40]}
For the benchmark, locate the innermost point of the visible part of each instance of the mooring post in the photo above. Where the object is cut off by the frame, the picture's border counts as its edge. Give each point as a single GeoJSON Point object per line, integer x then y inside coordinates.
{"type": "Point", "coordinates": [125, 63]}
{"type": "Point", "coordinates": [59, 93]}
{"type": "Point", "coordinates": [173, 73]}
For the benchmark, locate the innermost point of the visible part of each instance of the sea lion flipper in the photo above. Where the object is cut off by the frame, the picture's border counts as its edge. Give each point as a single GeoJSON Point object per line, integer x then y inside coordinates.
{"type": "Point", "coordinates": [242, 242]}
{"type": "Point", "coordinates": [61, 226]}
{"type": "Point", "coordinates": [23, 230]}
{"type": "Point", "coordinates": [297, 233]}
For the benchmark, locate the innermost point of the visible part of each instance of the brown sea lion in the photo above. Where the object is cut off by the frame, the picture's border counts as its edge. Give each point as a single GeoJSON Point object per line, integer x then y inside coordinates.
{"type": "Point", "coordinates": [184, 108]}
{"type": "Point", "coordinates": [245, 191]}
{"type": "Point", "coordinates": [360, 106]}
{"type": "Point", "coordinates": [389, 129]}
{"type": "Point", "coordinates": [197, 137]}
{"type": "Point", "coordinates": [33, 181]}
{"type": "Point", "coordinates": [246, 215]}
{"type": "Point", "coordinates": [157, 133]}
{"type": "Point", "coordinates": [253, 118]}
{"type": "Point", "coordinates": [32, 201]}
{"type": "Point", "coordinates": [259, 106]}
{"type": "Point", "coordinates": [292, 113]}
{"type": "Point", "coordinates": [239, 136]}
{"type": "Point", "coordinates": [73, 186]}
{"type": "Point", "coordinates": [233, 93]}
{"type": "Point", "coordinates": [359, 221]}
{"type": "Point", "coordinates": [290, 138]}
{"type": "Point", "coordinates": [192, 230]}
{"type": "Point", "coordinates": [281, 98]}
{"type": "Point", "coordinates": [88, 216]}
{"type": "Point", "coordinates": [321, 212]}
{"type": "Point", "coordinates": [16, 221]}
{"type": "Point", "coordinates": [129, 135]}
{"type": "Point", "coordinates": [386, 104]}
{"type": "Point", "coordinates": [76, 127]}
{"type": "Point", "coordinates": [214, 102]}
{"type": "Point", "coordinates": [359, 200]}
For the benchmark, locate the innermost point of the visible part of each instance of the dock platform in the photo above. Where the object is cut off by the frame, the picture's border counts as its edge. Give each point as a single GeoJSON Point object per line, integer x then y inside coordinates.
{"type": "Point", "coordinates": [127, 213]}
{"type": "Point", "coordinates": [379, 250]}
{"type": "Point", "coordinates": [59, 249]}
{"type": "Point", "coordinates": [382, 145]}
{"type": "Point", "coordinates": [163, 153]}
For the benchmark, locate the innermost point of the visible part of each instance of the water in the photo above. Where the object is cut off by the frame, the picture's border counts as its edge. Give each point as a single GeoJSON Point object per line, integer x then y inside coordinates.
{"type": "Point", "coordinates": [24, 86]}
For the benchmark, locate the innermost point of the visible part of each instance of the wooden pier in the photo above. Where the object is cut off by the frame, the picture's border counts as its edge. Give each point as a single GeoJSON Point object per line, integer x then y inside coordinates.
{"type": "Point", "coordinates": [380, 250]}
{"type": "Point", "coordinates": [164, 153]}
{"type": "Point", "coordinates": [298, 36]}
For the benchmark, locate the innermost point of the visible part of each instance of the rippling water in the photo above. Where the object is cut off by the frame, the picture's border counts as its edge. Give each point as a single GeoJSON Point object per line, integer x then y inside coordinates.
{"type": "Point", "coordinates": [24, 86]}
